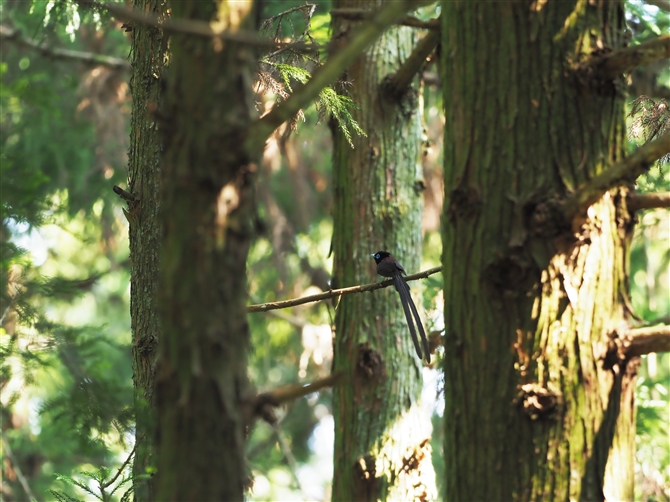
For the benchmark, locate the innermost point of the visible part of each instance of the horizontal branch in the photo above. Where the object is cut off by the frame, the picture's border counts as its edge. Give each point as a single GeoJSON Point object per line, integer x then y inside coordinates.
{"type": "Point", "coordinates": [325, 75]}
{"type": "Point", "coordinates": [14, 35]}
{"type": "Point", "coordinates": [263, 403]}
{"type": "Point", "coordinates": [628, 169]}
{"type": "Point", "coordinates": [189, 26]}
{"type": "Point", "coordinates": [638, 201]}
{"type": "Point", "coordinates": [399, 82]}
{"type": "Point", "coordinates": [640, 341]}
{"type": "Point", "coordinates": [362, 14]}
{"type": "Point", "coordinates": [615, 63]}
{"type": "Point", "coordinates": [264, 307]}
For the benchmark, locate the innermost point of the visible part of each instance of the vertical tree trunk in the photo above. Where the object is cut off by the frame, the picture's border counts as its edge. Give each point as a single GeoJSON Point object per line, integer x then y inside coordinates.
{"type": "Point", "coordinates": [532, 386]}
{"type": "Point", "coordinates": [148, 59]}
{"type": "Point", "coordinates": [382, 449]}
{"type": "Point", "coordinates": [207, 214]}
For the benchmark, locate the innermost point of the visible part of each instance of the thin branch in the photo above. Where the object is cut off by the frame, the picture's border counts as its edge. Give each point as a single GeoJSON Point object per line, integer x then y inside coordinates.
{"type": "Point", "coordinates": [363, 14]}
{"type": "Point", "coordinates": [14, 35]}
{"type": "Point", "coordinates": [264, 307]}
{"type": "Point", "coordinates": [638, 201]}
{"type": "Point", "coordinates": [400, 81]}
{"type": "Point", "coordinates": [628, 169]}
{"type": "Point", "coordinates": [640, 341]}
{"type": "Point", "coordinates": [118, 473]}
{"type": "Point", "coordinates": [19, 474]}
{"type": "Point", "coordinates": [189, 26]}
{"type": "Point", "coordinates": [328, 73]}
{"type": "Point", "coordinates": [625, 60]}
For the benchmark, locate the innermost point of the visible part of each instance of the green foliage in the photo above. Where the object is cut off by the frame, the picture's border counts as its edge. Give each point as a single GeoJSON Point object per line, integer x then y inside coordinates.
{"type": "Point", "coordinates": [106, 481]}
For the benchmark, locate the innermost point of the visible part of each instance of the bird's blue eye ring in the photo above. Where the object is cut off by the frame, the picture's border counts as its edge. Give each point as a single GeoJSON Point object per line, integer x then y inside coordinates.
{"type": "Point", "coordinates": [377, 255]}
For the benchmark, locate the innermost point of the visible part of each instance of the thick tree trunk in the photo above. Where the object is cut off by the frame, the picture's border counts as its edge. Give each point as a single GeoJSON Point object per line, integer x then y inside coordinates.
{"type": "Point", "coordinates": [148, 59]}
{"type": "Point", "coordinates": [202, 390]}
{"type": "Point", "coordinates": [533, 388]}
{"type": "Point", "coordinates": [382, 449]}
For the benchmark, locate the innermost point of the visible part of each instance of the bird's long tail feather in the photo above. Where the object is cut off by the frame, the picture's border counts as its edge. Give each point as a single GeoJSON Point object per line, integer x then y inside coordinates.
{"type": "Point", "coordinates": [408, 306]}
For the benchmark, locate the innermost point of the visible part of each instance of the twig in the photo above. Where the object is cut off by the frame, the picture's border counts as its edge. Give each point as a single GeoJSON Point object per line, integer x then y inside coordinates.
{"type": "Point", "coordinates": [362, 14]}
{"type": "Point", "coordinates": [15, 36]}
{"type": "Point", "coordinates": [264, 307]}
{"type": "Point", "coordinates": [118, 473]}
{"type": "Point", "coordinates": [640, 341]}
{"type": "Point", "coordinates": [638, 201]}
{"type": "Point", "coordinates": [288, 454]}
{"type": "Point", "coordinates": [17, 469]}
{"type": "Point", "coordinates": [400, 81]}
{"type": "Point", "coordinates": [190, 26]}
{"type": "Point", "coordinates": [625, 60]}
{"type": "Point", "coordinates": [329, 72]}
{"type": "Point", "coordinates": [628, 169]}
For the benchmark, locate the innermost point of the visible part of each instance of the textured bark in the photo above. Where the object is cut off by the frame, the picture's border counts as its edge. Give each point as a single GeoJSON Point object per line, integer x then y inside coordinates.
{"type": "Point", "coordinates": [382, 449]}
{"type": "Point", "coordinates": [207, 213]}
{"type": "Point", "coordinates": [148, 51]}
{"type": "Point", "coordinates": [533, 384]}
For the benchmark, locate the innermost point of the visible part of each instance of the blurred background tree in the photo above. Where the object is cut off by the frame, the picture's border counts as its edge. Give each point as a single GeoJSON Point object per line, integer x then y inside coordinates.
{"type": "Point", "coordinates": [66, 387]}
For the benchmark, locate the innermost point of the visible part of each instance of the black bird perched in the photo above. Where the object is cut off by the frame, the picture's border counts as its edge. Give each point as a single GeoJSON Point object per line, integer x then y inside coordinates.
{"type": "Point", "coordinates": [388, 266]}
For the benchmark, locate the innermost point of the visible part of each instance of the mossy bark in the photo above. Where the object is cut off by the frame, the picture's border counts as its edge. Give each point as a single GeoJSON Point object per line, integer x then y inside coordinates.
{"type": "Point", "coordinates": [382, 449]}
{"type": "Point", "coordinates": [148, 61]}
{"type": "Point", "coordinates": [533, 389]}
{"type": "Point", "coordinates": [202, 392]}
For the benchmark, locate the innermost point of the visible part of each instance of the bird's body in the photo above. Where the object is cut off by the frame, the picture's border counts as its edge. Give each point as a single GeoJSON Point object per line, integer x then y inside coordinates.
{"type": "Point", "coordinates": [388, 266]}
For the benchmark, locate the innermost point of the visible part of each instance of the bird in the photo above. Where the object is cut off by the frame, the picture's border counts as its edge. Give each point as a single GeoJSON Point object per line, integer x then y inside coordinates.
{"type": "Point", "coordinates": [388, 266]}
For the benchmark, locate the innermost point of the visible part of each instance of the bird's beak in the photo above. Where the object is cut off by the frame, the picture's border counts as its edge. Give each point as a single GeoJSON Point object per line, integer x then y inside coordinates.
{"type": "Point", "coordinates": [372, 255]}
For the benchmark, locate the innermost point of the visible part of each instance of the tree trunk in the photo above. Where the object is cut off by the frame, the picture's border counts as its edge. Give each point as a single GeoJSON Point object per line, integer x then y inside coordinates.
{"type": "Point", "coordinates": [202, 391]}
{"type": "Point", "coordinates": [148, 57]}
{"type": "Point", "coordinates": [382, 449]}
{"type": "Point", "coordinates": [533, 384]}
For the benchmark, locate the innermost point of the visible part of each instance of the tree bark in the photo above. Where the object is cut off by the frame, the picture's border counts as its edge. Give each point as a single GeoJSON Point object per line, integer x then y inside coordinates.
{"type": "Point", "coordinates": [382, 449]}
{"type": "Point", "coordinates": [148, 61]}
{"type": "Point", "coordinates": [202, 391]}
{"type": "Point", "coordinates": [533, 383]}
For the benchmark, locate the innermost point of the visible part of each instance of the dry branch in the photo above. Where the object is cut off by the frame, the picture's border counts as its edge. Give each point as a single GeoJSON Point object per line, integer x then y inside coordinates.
{"type": "Point", "coordinates": [189, 26]}
{"type": "Point", "coordinates": [264, 307]}
{"type": "Point", "coordinates": [7, 33]}
{"type": "Point", "coordinates": [638, 201]}
{"type": "Point", "coordinates": [628, 169]}
{"type": "Point", "coordinates": [615, 63]}
{"type": "Point", "coordinates": [640, 341]}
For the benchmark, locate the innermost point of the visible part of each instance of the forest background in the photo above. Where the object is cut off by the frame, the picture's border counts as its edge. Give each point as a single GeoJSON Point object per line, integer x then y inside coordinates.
{"type": "Point", "coordinates": [67, 395]}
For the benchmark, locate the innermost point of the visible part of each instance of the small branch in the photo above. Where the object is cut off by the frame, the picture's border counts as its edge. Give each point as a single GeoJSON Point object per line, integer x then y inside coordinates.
{"type": "Point", "coordinates": [14, 35]}
{"type": "Point", "coordinates": [189, 26]}
{"type": "Point", "coordinates": [362, 15]}
{"type": "Point", "coordinates": [628, 169]}
{"type": "Point", "coordinates": [123, 194]}
{"type": "Point", "coordinates": [264, 307]}
{"type": "Point", "coordinates": [400, 81]}
{"type": "Point", "coordinates": [263, 403]}
{"type": "Point", "coordinates": [118, 473]}
{"type": "Point", "coordinates": [612, 65]}
{"type": "Point", "coordinates": [640, 341]}
{"type": "Point", "coordinates": [19, 474]}
{"type": "Point", "coordinates": [638, 201]}
{"type": "Point", "coordinates": [328, 73]}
